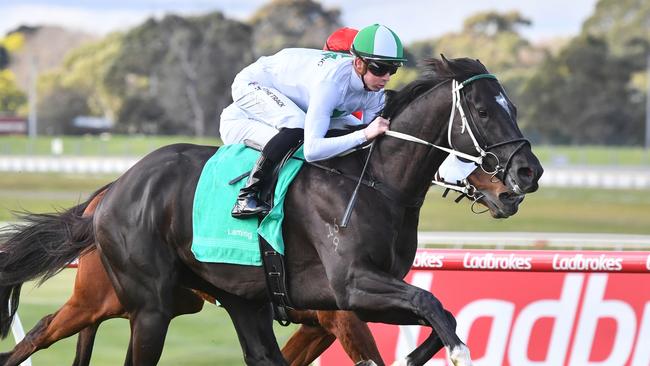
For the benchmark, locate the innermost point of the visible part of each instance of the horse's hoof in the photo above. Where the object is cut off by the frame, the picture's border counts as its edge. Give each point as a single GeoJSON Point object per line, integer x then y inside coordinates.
{"type": "Point", "coordinates": [459, 356]}
{"type": "Point", "coordinates": [366, 363]}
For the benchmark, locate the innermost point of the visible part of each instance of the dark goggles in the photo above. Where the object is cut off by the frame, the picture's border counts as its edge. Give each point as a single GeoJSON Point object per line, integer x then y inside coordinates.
{"type": "Point", "coordinates": [378, 68]}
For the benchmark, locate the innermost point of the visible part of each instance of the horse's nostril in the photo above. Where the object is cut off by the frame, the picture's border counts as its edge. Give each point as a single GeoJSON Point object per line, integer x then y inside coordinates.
{"type": "Point", "coordinates": [525, 172]}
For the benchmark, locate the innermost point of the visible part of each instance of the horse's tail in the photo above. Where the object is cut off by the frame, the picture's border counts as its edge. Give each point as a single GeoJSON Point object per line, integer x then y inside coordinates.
{"type": "Point", "coordinates": [39, 247]}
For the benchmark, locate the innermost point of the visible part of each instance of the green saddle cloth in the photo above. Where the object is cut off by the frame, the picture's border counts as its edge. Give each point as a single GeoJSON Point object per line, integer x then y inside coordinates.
{"type": "Point", "coordinates": [220, 238]}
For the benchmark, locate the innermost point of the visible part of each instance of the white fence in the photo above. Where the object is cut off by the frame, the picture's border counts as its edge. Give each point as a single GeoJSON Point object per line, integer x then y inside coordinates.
{"type": "Point", "coordinates": [597, 177]}
{"type": "Point", "coordinates": [107, 165]}
{"type": "Point", "coordinates": [532, 240]}
{"type": "Point", "coordinates": [554, 176]}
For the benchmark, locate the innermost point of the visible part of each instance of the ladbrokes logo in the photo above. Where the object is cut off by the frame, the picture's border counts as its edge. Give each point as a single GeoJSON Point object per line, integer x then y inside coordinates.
{"type": "Point", "coordinates": [578, 262]}
{"type": "Point", "coordinates": [490, 261]}
{"type": "Point", "coordinates": [582, 324]}
{"type": "Point", "coordinates": [428, 260]}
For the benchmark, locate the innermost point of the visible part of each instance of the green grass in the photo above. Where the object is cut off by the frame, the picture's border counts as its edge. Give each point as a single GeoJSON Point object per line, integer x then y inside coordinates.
{"type": "Point", "coordinates": [113, 145]}
{"type": "Point", "coordinates": [39, 192]}
{"type": "Point", "coordinates": [121, 145]}
{"type": "Point", "coordinates": [592, 155]}
{"type": "Point", "coordinates": [206, 338]}
{"type": "Point", "coordinates": [548, 210]}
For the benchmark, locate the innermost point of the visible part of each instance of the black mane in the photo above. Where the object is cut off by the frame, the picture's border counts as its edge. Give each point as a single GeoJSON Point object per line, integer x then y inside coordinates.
{"type": "Point", "coordinates": [434, 71]}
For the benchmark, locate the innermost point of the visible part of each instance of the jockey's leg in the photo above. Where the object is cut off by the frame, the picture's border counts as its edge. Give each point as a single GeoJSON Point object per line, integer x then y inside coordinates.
{"type": "Point", "coordinates": [248, 201]}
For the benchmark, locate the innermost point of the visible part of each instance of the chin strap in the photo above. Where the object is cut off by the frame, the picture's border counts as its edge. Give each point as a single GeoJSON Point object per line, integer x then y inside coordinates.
{"type": "Point", "coordinates": [365, 87]}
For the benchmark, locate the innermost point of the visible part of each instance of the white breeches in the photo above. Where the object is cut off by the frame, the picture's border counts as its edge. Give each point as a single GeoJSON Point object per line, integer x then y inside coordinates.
{"type": "Point", "coordinates": [257, 113]}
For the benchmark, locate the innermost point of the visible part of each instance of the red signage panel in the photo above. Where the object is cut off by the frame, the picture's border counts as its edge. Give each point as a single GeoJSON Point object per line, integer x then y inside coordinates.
{"type": "Point", "coordinates": [515, 316]}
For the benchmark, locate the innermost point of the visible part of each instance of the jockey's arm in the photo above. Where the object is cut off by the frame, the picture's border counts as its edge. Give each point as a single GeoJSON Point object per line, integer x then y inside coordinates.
{"type": "Point", "coordinates": [317, 121]}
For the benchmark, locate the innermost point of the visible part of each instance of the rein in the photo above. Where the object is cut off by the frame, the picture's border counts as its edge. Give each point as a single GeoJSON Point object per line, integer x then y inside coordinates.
{"type": "Point", "coordinates": [387, 191]}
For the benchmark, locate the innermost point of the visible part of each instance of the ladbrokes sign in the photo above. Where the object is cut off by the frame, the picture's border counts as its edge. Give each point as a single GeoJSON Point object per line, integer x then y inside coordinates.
{"type": "Point", "coordinates": [532, 319]}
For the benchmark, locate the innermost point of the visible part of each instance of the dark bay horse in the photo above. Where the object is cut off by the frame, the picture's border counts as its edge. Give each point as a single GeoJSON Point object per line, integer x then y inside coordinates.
{"type": "Point", "coordinates": [143, 225]}
{"type": "Point", "coordinates": [94, 300]}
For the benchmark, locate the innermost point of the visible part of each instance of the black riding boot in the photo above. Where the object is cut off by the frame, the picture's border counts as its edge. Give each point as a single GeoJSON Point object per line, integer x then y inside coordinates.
{"type": "Point", "coordinates": [248, 201]}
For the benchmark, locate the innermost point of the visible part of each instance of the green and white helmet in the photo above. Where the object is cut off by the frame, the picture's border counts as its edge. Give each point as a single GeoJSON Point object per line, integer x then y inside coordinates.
{"type": "Point", "coordinates": [378, 42]}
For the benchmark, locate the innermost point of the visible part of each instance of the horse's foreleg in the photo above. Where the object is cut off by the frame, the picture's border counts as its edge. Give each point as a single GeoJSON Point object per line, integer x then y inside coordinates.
{"type": "Point", "coordinates": [128, 361]}
{"type": "Point", "coordinates": [381, 298]}
{"type": "Point", "coordinates": [444, 324]}
{"type": "Point", "coordinates": [148, 332]}
{"type": "Point", "coordinates": [306, 344]}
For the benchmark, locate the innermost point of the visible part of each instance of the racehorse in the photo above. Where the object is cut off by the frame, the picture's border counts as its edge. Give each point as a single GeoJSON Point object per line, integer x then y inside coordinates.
{"type": "Point", "coordinates": [94, 300]}
{"type": "Point", "coordinates": [143, 225]}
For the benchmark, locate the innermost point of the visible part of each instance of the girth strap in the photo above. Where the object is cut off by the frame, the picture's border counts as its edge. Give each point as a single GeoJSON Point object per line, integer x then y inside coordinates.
{"type": "Point", "coordinates": [276, 281]}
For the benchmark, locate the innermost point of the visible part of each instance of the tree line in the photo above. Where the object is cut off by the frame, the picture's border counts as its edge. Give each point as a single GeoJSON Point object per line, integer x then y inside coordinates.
{"type": "Point", "coordinates": [173, 75]}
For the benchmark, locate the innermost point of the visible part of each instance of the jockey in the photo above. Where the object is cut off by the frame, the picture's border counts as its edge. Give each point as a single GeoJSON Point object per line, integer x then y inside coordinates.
{"type": "Point", "coordinates": [452, 170]}
{"type": "Point", "coordinates": [303, 92]}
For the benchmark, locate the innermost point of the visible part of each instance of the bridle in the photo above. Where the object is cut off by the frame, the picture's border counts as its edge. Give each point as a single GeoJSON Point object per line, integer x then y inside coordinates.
{"type": "Point", "coordinates": [483, 150]}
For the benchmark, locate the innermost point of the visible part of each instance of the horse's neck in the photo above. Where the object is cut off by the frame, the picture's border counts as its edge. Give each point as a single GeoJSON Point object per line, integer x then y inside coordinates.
{"type": "Point", "coordinates": [408, 167]}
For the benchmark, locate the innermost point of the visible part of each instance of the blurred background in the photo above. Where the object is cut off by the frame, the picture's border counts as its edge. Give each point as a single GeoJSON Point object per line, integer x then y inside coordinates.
{"type": "Point", "coordinates": [89, 87]}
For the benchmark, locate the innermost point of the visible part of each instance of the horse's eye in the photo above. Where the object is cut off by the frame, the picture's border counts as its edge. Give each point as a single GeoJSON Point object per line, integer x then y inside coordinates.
{"type": "Point", "coordinates": [482, 113]}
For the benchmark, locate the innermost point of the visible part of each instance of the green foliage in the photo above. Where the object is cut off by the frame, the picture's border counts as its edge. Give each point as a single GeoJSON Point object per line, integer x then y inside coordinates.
{"type": "Point", "coordinates": [174, 75]}
{"type": "Point", "coordinates": [623, 24]}
{"type": "Point", "coordinates": [593, 91]}
{"type": "Point", "coordinates": [292, 23]}
{"type": "Point", "coordinates": [13, 42]}
{"type": "Point", "coordinates": [404, 76]}
{"type": "Point", "coordinates": [492, 38]}
{"type": "Point", "coordinates": [12, 99]}
{"type": "Point", "coordinates": [4, 58]}
{"type": "Point", "coordinates": [59, 107]}
{"type": "Point", "coordinates": [492, 23]}
{"type": "Point", "coordinates": [581, 96]}
{"type": "Point", "coordinates": [487, 36]}
{"type": "Point", "coordinates": [77, 88]}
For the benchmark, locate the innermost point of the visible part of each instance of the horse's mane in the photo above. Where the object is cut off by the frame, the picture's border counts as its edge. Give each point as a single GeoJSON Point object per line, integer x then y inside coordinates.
{"type": "Point", "coordinates": [433, 72]}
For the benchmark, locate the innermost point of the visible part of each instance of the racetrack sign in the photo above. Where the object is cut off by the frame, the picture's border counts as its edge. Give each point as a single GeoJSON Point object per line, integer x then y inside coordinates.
{"type": "Point", "coordinates": [510, 315]}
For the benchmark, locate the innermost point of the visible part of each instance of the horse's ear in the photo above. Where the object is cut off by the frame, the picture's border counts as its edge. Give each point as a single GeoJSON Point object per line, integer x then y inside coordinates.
{"type": "Point", "coordinates": [444, 59]}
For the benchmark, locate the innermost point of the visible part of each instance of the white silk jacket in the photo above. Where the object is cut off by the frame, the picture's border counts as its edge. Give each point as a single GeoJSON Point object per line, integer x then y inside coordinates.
{"type": "Point", "coordinates": [326, 87]}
